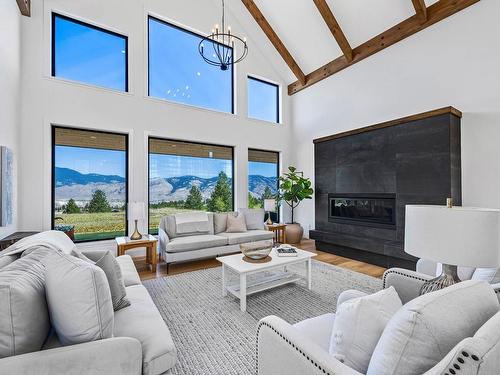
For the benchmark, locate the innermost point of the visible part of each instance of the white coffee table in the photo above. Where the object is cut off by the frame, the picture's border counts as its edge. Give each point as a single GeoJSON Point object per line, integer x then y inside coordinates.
{"type": "Point", "coordinates": [277, 274]}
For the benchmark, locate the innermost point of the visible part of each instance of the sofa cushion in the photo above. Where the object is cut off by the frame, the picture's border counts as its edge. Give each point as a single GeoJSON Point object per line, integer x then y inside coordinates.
{"type": "Point", "coordinates": [79, 300]}
{"type": "Point", "coordinates": [358, 325]}
{"type": "Point", "coordinates": [180, 244]}
{"type": "Point", "coordinates": [220, 221]}
{"type": "Point", "coordinates": [236, 224]}
{"type": "Point", "coordinates": [168, 224]}
{"type": "Point", "coordinates": [24, 317]}
{"type": "Point", "coordinates": [107, 262]}
{"type": "Point", "coordinates": [8, 259]}
{"type": "Point", "coordinates": [424, 330]}
{"type": "Point", "coordinates": [143, 322]}
{"type": "Point", "coordinates": [318, 329]}
{"type": "Point", "coordinates": [254, 217]}
{"type": "Point", "coordinates": [249, 236]}
{"type": "Point", "coordinates": [191, 223]}
{"type": "Point", "coordinates": [129, 272]}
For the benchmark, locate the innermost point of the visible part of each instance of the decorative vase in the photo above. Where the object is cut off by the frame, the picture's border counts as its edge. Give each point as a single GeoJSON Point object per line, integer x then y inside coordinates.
{"type": "Point", "coordinates": [294, 233]}
{"type": "Point", "coordinates": [256, 250]}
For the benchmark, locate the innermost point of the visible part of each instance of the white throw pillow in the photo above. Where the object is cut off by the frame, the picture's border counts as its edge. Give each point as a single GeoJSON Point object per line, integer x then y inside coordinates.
{"type": "Point", "coordinates": [358, 325]}
{"type": "Point", "coordinates": [424, 330]}
{"type": "Point", "coordinates": [79, 300]}
{"type": "Point", "coordinates": [254, 217]}
{"type": "Point", "coordinates": [236, 224]}
{"type": "Point", "coordinates": [490, 275]}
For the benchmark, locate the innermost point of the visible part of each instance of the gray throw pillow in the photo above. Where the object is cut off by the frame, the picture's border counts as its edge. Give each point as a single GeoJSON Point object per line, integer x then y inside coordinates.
{"type": "Point", "coordinates": [254, 217]}
{"type": "Point", "coordinates": [24, 317]}
{"type": "Point", "coordinates": [108, 263]}
{"type": "Point", "coordinates": [424, 330]}
{"type": "Point", "coordinates": [79, 300]}
{"type": "Point", "coordinates": [220, 222]}
{"type": "Point", "coordinates": [236, 224]}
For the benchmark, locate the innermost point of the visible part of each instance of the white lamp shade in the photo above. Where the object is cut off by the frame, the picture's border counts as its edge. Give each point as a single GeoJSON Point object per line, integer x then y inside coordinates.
{"type": "Point", "coordinates": [136, 210]}
{"type": "Point", "coordinates": [460, 236]}
{"type": "Point", "coordinates": [270, 205]}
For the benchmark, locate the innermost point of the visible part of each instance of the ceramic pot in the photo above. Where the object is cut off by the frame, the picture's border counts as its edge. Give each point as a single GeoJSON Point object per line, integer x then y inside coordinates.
{"type": "Point", "coordinates": [294, 233]}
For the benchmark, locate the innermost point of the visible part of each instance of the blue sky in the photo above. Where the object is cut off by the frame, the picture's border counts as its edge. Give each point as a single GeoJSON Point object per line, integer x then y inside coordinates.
{"type": "Point", "coordinates": [178, 72]}
{"type": "Point", "coordinates": [263, 169]}
{"type": "Point", "coordinates": [88, 55]}
{"type": "Point", "coordinates": [262, 100]}
{"type": "Point", "coordinates": [91, 160]}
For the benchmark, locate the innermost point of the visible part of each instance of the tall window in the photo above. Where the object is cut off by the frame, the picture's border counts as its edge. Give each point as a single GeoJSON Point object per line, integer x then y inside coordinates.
{"type": "Point", "coordinates": [178, 73]}
{"type": "Point", "coordinates": [89, 54]}
{"type": "Point", "coordinates": [186, 176]}
{"type": "Point", "coordinates": [263, 100]}
{"type": "Point", "coordinates": [263, 173]}
{"type": "Point", "coordinates": [89, 186]}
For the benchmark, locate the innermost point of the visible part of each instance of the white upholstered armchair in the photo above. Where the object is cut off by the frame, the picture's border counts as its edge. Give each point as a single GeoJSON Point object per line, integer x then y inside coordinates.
{"type": "Point", "coordinates": [303, 348]}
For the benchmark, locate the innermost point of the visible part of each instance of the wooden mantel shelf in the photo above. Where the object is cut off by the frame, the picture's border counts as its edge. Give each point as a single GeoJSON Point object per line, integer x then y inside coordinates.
{"type": "Point", "coordinates": [386, 124]}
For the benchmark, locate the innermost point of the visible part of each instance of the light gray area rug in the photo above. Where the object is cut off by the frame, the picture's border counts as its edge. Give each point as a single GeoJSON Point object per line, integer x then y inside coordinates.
{"type": "Point", "coordinates": [214, 337]}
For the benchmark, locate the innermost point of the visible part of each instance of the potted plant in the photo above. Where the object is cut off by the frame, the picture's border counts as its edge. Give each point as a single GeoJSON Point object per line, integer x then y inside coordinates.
{"type": "Point", "coordinates": [293, 189]}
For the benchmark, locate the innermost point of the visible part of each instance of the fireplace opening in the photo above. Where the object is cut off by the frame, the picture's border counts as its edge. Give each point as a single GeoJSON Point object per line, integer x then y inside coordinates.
{"type": "Point", "coordinates": [363, 209]}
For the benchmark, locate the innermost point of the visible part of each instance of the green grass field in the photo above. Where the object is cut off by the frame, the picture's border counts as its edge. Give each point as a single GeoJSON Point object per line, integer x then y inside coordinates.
{"type": "Point", "coordinates": [106, 225]}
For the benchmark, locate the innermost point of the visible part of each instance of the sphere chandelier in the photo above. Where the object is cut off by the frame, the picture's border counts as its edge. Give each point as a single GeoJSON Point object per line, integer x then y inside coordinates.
{"type": "Point", "coordinates": [219, 47]}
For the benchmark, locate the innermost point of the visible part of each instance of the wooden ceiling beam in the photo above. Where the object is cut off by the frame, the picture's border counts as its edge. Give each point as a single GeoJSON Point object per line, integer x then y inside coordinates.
{"type": "Point", "coordinates": [435, 13]}
{"type": "Point", "coordinates": [24, 7]}
{"type": "Point", "coordinates": [275, 40]}
{"type": "Point", "coordinates": [421, 9]}
{"type": "Point", "coordinates": [334, 27]}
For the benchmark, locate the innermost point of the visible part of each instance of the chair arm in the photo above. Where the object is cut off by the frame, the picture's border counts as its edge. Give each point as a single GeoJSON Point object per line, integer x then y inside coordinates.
{"type": "Point", "coordinates": [283, 350]}
{"type": "Point", "coordinates": [163, 241]}
{"type": "Point", "coordinates": [407, 283]}
{"type": "Point", "coordinates": [469, 355]}
{"type": "Point", "coordinates": [119, 355]}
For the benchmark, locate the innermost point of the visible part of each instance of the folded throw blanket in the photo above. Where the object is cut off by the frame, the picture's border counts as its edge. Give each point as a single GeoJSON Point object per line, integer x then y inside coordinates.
{"type": "Point", "coordinates": [52, 239]}
{"type": "Point", "coordinates": [191, 222]}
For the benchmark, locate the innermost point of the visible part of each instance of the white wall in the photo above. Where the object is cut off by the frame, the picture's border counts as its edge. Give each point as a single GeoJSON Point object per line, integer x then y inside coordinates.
{"type": "Point", "coordinates": [10, 70]}
{"type": "Point", "coordinates": [455, 62]}
{"type": "Point", "coordinates": [52, 101]}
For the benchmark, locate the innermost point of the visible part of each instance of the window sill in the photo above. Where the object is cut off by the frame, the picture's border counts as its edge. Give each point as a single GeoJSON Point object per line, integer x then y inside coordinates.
{"type": "Point", "coordinates": [87, 85]}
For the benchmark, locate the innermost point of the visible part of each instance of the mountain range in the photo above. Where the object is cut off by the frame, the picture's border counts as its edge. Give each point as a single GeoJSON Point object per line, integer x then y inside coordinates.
{"type": "Point", "coordinates": [79, 186]}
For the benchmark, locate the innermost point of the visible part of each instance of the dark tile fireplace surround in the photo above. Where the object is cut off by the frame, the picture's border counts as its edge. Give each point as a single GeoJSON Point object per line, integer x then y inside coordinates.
{"type": "Point", "coordinates": [365, 177]}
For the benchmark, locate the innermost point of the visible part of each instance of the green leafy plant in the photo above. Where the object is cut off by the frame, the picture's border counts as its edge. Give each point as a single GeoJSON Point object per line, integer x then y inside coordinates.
{"type": "Point", "coordinates": [294, 188]}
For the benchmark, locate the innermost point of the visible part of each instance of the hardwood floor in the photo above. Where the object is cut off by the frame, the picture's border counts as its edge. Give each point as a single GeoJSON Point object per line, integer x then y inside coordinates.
{"type": "Point", "coordinates": [309, 245]}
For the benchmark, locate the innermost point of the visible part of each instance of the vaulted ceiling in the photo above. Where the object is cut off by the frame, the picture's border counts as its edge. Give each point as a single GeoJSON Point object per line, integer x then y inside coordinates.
{"type": "Point", "coordinates": [318, 38]}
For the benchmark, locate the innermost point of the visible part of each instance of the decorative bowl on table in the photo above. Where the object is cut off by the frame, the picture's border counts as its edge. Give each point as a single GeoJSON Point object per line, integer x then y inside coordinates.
{"type": "Point", "coordinates": [256, 250]}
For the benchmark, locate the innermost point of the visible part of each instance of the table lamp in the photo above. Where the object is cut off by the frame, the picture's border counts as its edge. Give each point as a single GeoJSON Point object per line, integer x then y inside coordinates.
{"type": "Point", "coordinates": [269, 206]}
{"type": "Point", "coordinates": [136, 212]}
{"type": "Point", "coordinates": [453, 236]}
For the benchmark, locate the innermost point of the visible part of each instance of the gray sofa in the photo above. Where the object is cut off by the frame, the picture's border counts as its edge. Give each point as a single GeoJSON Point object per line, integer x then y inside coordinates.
{"type": "Point", "coordinates": [210, 240]}
{"type": "Point", "coordinates": [142, 343]}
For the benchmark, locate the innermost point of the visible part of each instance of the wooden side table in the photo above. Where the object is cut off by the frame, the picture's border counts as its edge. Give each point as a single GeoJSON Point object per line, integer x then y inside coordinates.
{"type": "Point", "coordinates": [279, 232]}
{"type": "Point", "coordinates": [148, 241]}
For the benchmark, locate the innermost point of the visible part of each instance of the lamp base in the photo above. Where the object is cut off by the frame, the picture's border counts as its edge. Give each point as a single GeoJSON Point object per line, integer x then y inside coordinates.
{"type": "Point", "coordinates": [448, 277]}
{"type": "Point", "coordinates": [269, 221]}
{"type": "Point", "coordinates": [136, 235]}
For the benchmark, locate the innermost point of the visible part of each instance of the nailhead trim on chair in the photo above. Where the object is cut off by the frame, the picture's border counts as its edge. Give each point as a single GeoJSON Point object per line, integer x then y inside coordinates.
{"type": "Point", "coordinates": [289, 343]}
{"type": "Point", "coordinates": [456, 367]}
{"type": "Point", "coordinates": [453, 371]}
{"type": "Point", "coordinates": [399, 273]}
